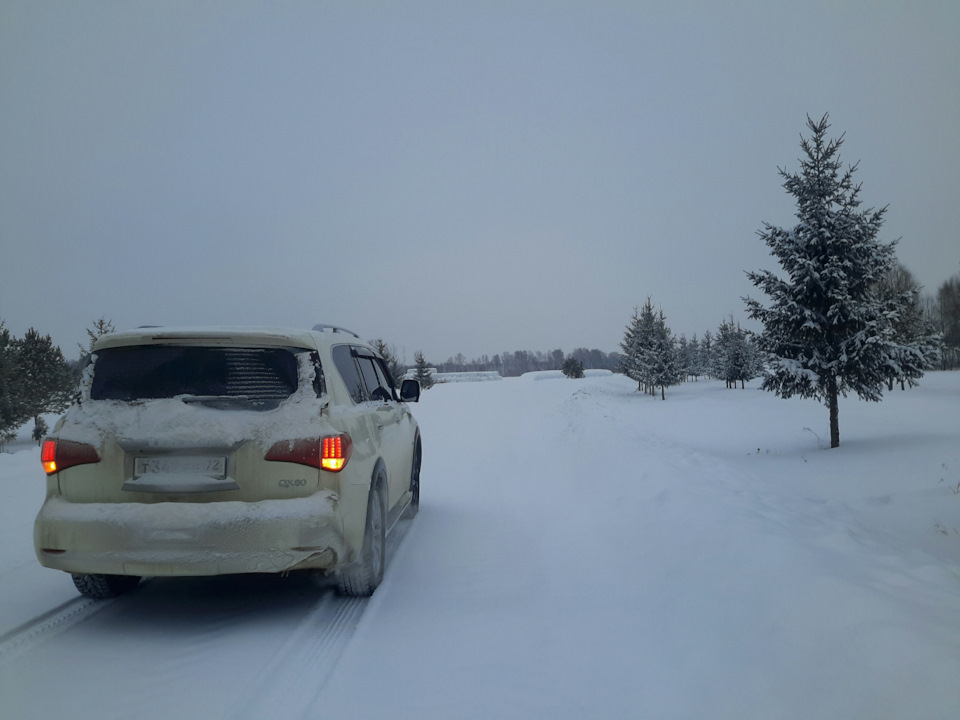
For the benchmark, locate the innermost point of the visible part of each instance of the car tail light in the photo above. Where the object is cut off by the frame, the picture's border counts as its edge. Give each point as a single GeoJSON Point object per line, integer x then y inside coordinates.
{"type": "Point", "coordinates": [57, 455]}
{"type": "Point", "coordinates": [330, 453]}
{"type": "Point", "coordinates": [335, 452]}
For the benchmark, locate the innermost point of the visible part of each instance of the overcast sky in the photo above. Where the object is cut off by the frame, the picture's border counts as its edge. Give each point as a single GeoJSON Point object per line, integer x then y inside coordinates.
{"type": "Point", "coordinates": [454, 177]}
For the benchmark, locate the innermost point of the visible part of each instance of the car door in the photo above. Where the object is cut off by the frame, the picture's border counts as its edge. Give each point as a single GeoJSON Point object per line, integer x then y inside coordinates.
{"type": "Point", "coordinates": [391, 418]}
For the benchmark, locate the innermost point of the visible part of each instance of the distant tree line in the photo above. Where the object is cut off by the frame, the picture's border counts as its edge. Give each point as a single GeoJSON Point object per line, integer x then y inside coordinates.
{"type": "Point", "coordinates": [507, 364]}
{"type": "Point", "coordinates": [516, 363]}
{"type": "Point", "coordinates": [942, 311]}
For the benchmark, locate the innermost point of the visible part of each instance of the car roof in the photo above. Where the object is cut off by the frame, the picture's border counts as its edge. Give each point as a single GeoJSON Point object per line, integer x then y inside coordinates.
{"type": "Point", "coordinates": [266, 336]}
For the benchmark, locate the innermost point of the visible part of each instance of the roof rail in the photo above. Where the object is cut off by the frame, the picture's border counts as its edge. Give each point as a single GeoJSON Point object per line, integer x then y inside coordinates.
{"type": "Point", "coordinates": [323, 327]}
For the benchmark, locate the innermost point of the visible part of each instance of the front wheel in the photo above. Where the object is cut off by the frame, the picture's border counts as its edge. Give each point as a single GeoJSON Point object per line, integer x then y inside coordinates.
{"type": "Point", "coordinates": [363, 577]}
{"type": "Point", "coordinates": [102, 587]}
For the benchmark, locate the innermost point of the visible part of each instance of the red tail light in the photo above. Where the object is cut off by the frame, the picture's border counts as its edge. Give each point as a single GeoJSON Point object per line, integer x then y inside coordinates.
{"type": "Point", "coordinates": [330, 453]}
{"type": "Point", "coordinates": [57, 455]}
{"type": "Point", "coordinates": [48, 456]}
{"type": "Point", "coordinates": [335, 452]}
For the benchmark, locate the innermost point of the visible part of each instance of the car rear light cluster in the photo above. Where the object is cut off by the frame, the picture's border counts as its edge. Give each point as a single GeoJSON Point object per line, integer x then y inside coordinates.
{"type": "Point", "coordinates": [57, 455]}
{"type": "Point", "coordinates": [335, 452]}
{"type": "Point", "coordinates": [329, 453]}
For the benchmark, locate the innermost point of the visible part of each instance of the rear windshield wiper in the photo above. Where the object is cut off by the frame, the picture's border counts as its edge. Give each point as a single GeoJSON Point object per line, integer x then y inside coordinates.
{"type": "Point", "coordinates": [210, 398]}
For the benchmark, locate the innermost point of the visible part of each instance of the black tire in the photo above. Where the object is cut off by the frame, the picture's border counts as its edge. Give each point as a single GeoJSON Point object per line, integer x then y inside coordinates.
{"type": "Point", "coordinates": [415, 477]}
{"type": "Point", "coordinates": [365, 575]}
{"type": "Point", "coordinates": [101, 587]}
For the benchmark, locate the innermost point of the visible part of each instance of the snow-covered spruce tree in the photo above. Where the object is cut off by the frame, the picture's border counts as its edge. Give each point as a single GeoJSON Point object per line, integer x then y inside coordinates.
{"type": "Point", "coordinates": [632, 346]}
{"type": "Point", "coordinates": [684, 364]}
{"type": "Point", "coordinates": [638, 345]}
{"type": "Point", "coordinates": [721, 351]}
{"type": "Point", "coordinates": [423, 375]}
{"type": "Point", "coordinates": [735, 357]}
{"type": "Point", "coordinates": [746, 363]}
{"type": "Point", "coordinates": [706, 355]}
{"type": "Point", "coordinates": [901, 292]}
{"type": "Point", "coordinates": [44, 379]}
{"type": "Point", "coordinates": [827, 331]}
{"type": "Point", "coordinates": [661, 363]}
{"type": "Point", "coordinates": [693, 361]}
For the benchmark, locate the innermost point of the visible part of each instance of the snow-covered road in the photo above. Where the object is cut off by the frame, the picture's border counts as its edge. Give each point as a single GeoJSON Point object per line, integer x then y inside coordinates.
{"type": "Point", "coordinates": [581, 552]}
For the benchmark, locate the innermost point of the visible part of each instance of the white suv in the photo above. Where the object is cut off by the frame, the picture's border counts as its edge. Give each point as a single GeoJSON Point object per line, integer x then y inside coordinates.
{"type": "Point", "coordinates": [209, 451]}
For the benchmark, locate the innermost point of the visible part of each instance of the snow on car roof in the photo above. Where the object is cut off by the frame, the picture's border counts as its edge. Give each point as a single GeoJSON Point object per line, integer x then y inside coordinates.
{"type": "Point", "coordinates": [268, 336]}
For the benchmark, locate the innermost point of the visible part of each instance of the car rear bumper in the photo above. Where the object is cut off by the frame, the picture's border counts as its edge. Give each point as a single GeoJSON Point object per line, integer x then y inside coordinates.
{"type": "Point", "coordinates": [212, 538]}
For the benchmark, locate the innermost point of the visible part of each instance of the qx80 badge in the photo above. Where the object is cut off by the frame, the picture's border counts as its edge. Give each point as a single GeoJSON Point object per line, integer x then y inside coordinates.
{"type": "Point", "coordinates": [299, 482]}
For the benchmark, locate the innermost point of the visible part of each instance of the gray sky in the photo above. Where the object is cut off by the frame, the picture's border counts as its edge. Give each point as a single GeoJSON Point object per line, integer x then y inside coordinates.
{"type": "Point", "coordinates": [450, 176]}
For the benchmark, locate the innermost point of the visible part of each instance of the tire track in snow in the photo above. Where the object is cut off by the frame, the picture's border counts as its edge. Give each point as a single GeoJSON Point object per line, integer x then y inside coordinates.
{"type": "Point", "coordinates": [47, 626]}
{"type": "Point", "coordinates": [299, 669]}
{"type": "Point", "coordinates": [295, 676]}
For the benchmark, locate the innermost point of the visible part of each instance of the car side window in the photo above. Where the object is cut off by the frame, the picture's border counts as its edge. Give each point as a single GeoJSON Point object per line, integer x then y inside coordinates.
{"type": "Point", "coordinates": [375, 389]}
{"type": "Point", "coordinates": [347, 367]}
{"type": "Point", "coordinates": [385, 378]}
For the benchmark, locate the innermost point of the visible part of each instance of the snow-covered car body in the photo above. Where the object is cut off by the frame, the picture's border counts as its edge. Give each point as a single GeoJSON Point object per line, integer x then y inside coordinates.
{"type": "Point", "coordinates": [207, 451]}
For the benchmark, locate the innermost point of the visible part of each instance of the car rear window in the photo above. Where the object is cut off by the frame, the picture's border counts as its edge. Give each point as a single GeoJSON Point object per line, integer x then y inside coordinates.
{"type": "Point", "coordinates": [259, 377]}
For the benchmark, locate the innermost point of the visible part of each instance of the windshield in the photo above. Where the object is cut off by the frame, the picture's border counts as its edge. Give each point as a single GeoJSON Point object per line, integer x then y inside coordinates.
{"type": "Point", "coordinates": [259, 376]}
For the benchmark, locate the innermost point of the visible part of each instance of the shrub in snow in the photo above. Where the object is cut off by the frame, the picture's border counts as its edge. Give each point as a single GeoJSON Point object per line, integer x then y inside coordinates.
{"type": "Point", "coordinates": [572, 368]}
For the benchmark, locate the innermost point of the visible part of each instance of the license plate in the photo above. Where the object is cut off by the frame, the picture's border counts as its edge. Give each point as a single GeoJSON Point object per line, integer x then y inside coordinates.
{"type": "Point", "coordinates": [213, 467]}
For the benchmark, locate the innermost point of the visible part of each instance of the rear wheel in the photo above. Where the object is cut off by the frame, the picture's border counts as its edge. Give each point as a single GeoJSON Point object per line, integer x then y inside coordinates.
{"type": "Point", "coordinates": [363, 577]}
{"type": "Point", "coordinates": [415, 477]}
{"type": "Point", "coordinates": [101, 587]}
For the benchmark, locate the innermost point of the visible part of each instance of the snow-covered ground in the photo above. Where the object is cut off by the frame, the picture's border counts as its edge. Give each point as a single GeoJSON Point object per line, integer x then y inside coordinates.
{"type": "Point", "coordinates": [582, 551]}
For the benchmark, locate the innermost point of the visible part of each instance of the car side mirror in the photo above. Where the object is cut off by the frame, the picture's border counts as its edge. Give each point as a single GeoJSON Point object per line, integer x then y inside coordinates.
{"type": "Point", "coordinates": [410, 391]}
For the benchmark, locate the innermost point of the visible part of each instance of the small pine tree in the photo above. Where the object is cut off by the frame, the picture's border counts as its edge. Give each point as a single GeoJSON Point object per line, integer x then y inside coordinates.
{"type": "Point", "coordinates": [684, 363]}
{"type": "Point", "coordinates": [706, 360]}
{"type": "Point", "coordinates": [100, 327]}
{"type": "Point", "coordinates": [694, 365]}
{"type": "Point", "coordinates": [735, 356]}
{"type": "Point", "coordinates": [662, 366]}
{"type": "Point", "coordinates": [572, 368]}
{"type": "Point", "coordinates": [722, 352]}
{"type": "Point", "coordinates": [630, 345]}
{"type": "Point", "coordinates": [900, 292]}
{"type": "Point", "coordinates": [423, 374]}
{"type": "Point", "coordinates": [39, 429]}
{"type": "Point", "coordinates": [46, 381]}
{"type": "Point", "coordinates": [638, 342]}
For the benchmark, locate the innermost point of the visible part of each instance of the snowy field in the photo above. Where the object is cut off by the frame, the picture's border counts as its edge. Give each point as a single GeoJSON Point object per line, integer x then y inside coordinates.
{"type": "Point", "coordinates": [582, 551]}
